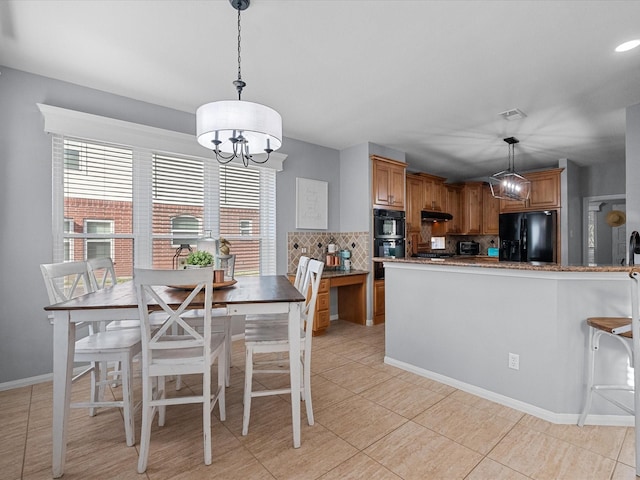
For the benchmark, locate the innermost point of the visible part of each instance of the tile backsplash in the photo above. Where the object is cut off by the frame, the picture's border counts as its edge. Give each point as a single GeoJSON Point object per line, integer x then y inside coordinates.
{"type": "Point", "coordinates": [316, 245]}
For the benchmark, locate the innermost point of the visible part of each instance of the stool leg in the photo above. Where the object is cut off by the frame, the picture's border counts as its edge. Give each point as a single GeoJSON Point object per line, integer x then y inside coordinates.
{"type": "Point", "coordinates": [591, 359]}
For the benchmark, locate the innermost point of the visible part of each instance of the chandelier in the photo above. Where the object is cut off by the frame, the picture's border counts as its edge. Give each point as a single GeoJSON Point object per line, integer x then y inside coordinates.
{"type": "Point", "coordinates": [235, 128]}
{"type": "Point", "coordinates": [509, 184]}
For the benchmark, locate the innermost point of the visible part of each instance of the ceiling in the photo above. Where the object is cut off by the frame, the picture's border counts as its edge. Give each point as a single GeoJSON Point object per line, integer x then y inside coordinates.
{"type": "Point", "coordinates": [425, 77]}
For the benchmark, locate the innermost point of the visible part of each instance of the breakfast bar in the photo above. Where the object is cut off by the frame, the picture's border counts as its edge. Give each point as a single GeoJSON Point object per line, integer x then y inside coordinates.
{"type": "Point", "coordinates": [459, 322]}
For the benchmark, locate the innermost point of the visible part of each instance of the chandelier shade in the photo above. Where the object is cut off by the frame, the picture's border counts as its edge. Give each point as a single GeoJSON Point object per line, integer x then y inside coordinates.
{"type": "Point", "coordinates": [259, 126]}
{"type": "Point", "coordinates": [509, 184]}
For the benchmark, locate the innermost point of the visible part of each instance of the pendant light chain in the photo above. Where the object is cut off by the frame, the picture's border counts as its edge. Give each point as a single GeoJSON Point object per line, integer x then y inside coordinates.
{"type": "Point", "coordinates": [239, 59]}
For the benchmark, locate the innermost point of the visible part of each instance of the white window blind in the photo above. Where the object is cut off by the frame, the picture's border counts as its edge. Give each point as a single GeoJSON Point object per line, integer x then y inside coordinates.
{"type": "Point", "coordinates": [116, 197]}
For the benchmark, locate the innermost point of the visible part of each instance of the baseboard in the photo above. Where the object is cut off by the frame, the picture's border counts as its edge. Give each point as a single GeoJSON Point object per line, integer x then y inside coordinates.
{"type": "Point", "coordinates": [26, 382]}
{"type": "Point", "coordinates": [557, 418]}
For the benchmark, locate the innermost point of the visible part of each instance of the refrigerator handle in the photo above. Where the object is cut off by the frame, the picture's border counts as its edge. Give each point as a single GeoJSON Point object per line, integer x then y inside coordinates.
{"type": "Point", "coordinates": [523, 238]}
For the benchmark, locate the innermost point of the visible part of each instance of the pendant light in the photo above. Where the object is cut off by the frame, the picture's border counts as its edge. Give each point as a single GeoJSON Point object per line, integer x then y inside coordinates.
{"type": "Point", "coordinates": [509, 184]}
{"type": "Point", "coordinates": [235, 128]}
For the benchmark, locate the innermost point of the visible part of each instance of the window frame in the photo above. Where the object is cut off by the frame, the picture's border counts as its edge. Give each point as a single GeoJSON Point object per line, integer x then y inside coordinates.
{"type": "Point", "coordinates": [146, 141]}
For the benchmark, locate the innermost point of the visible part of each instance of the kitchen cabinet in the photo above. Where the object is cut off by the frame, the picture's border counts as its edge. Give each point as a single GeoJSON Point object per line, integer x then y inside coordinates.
{"type": "Point", "coordinates": [378, 302]}
{"type": "Point", "coordinates": [471, 206]}
{"type": "Point", "coordinates": [434, 192]}
{"type": "Point", "coordinates": [490, 212]}
{"type": "Point", "coordinates": [424, 192]}
{"type": "Point", "coordinates": [415, 200]}
{"type": "Point", "coordinates": [544, 195]}
{"type": "Point", "coordinates": [452, 195]}
{"type": "Point", "coordinates": [388, 183]}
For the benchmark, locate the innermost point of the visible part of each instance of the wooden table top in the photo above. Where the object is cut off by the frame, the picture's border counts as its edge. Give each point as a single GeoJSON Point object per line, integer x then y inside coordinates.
{"type": "Point", "coordinates": [262, 289]}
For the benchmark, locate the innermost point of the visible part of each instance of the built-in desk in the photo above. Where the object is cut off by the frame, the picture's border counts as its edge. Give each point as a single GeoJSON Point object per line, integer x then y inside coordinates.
{"type": "Point", "coordinates": [352, 297]}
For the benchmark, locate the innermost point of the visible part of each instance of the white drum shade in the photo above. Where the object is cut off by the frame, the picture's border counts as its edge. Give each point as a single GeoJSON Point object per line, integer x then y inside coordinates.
{"type": "Point", "coordinates": [260, 125]}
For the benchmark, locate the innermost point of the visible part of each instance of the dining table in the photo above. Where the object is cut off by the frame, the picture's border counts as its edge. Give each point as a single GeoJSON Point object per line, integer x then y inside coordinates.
{"type": "Point", "coordinates": [266, 294]}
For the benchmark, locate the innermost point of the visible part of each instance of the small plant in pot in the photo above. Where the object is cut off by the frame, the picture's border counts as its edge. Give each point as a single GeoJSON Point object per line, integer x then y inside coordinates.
{"type": "Point", "coordinates": [199, 259]}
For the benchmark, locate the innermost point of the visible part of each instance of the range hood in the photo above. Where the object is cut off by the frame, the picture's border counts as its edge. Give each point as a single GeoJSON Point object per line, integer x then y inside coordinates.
{"type": "Point", "coordinates": [429, 216]}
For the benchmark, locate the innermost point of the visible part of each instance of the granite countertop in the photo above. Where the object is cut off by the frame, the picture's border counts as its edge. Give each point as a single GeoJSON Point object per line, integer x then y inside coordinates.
{"type": "Point", "coordinates": [483, 263]}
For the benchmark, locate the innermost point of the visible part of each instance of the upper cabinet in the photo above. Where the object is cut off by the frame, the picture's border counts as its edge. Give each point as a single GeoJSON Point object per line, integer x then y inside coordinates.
{"type": "Point", "coordinates": [415, 200]}
{"type": "Point", "coordinates": [472, 208]}
{"type": "Point", "coordinates": [490, 212]}
{"type": "Point", "coordinates": [388, 183]}
{"type": "Point", "coordinates": [424, 192]}
{"type": "Point", "coordinates": [545, 193]}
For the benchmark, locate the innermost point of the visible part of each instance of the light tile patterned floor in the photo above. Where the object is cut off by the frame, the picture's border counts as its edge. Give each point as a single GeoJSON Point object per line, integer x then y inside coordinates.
{"type": "Point", "coordinates": [373, 422]}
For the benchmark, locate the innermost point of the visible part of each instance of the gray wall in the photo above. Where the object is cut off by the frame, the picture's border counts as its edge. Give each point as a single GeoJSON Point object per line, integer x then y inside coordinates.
{"type": "Point", "coordinates": [25, 201]}
{"type": "Point", "coordinates": [633, 168]}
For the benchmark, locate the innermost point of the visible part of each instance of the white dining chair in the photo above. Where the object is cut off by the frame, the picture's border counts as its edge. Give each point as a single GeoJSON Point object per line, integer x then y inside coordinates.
{"type": "Point", "coordinates": [70, 279]}
{"type": "Point", "coordinates": [267, 337]}
{"type": "Point", "coordinates": [301, 282]}
{"type": "Point", "coordinates": [166, 354]}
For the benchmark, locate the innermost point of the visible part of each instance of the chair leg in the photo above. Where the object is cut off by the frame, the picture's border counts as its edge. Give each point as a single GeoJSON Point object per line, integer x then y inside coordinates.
{"type": "Point", "coordinates": [127, 400]}
{"type": "Point", "coordinates": [248, 379]}
{"type": "Point", "coordinates": [162, 409]}
{"type": "Point", "coordinates": [96, 391]}
{"type": "Point", "coordinates": [591, 359]}
{"type": "Point", "coordinates": [206, 414]}
{"type": "Point", "coordinates": [147, 418]}
{"type": "Point", "coordinates": [223, 381]}
{"type": "Point", "coordinates": [306, 384]}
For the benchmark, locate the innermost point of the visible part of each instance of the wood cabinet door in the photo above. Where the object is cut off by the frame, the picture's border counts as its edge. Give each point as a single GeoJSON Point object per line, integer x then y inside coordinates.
{"type": "Point", "coordinates": [472, 208]}
{"type": "Point", "coordinates": [545, 189]}
{"type": "Point", "coordinates": [452, 206]}
{"type": "Point", "coordinates": [396, 187]}
{"type": "Point", "coordinates": [381, 182]}
{"type": "Point", "coordinates": [415, 195]}
{"type": "Point", "coordinates": [490, 212]}
{"type": "Point", "coordinates": [378, 302]}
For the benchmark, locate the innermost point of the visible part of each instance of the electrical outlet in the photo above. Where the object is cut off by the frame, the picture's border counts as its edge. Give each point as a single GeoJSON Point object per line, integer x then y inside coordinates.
{"type": "Point", "coordinates": [303, 249]}
{"type": "Point", "coordinates": [514, 361]}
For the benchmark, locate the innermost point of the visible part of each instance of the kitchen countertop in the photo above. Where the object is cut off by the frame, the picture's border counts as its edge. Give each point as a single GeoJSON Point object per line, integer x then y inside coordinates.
{"type": "Point", "coordinates": [461, 261]}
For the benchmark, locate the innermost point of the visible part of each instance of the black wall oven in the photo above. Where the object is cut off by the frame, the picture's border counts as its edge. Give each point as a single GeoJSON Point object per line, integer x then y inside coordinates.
{"type": "Point", "coordinates": [388, 237]}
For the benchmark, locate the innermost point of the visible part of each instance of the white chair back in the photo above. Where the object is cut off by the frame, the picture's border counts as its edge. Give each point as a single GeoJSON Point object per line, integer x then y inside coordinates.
{"type": "Point", "coordinates": [157, 339]}
{"type": "Point", "coordinates": [301, 275]}
{"type": "Point", "coordinates": [66, 280]}
{"type": "Point", "coordinates": [102, 273]}
{"type": "Point", "coordinates": [314, 275]}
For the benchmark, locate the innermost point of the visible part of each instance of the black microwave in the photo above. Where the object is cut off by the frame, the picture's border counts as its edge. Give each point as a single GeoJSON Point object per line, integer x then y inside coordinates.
{"type": "Point", "coordinates": [388, 224]}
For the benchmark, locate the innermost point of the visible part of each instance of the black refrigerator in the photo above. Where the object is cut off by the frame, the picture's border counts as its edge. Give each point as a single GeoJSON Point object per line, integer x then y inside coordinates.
{"type": "Point", "coordinates": [528, 237]}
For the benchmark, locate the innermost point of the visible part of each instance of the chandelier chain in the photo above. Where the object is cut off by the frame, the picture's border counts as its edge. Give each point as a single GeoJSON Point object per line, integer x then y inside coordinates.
{"type": "Point", "coordinates": [239, 57]}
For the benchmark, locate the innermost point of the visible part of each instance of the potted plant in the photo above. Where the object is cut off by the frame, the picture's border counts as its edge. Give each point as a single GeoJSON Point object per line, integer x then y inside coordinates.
{"type": "Point", "coordinates": [199, 259]}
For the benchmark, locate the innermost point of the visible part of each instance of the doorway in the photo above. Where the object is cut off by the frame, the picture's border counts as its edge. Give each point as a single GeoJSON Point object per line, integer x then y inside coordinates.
{"type": "Point", "coordinates": [603, 244]}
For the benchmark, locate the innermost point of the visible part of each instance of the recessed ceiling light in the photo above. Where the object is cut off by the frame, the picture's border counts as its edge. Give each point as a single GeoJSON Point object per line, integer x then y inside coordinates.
{"type": "Point", "coordinates": [623, 47]}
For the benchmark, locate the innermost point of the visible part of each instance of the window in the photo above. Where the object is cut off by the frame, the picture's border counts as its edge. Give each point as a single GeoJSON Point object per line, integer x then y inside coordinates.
{"type": "Point", "coordinates": [245, 227]}
{"type": "Point", "coordinates": [185, 231]}
{"type": "Point", "coordinates": [99, 247]}
{"type": "Point", "coordinates": [138, 205]}
{"type": "Point", "coordinates": [68, 243]}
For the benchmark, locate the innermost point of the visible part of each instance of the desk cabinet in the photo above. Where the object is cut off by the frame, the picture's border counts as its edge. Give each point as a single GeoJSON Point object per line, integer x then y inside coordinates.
{"type": "Point", "coordinates": [352, 301]}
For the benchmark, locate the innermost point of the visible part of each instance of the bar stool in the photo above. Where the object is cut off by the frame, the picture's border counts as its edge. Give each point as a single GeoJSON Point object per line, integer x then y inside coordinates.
{"type": "Point", "coordinates": [613, 327]}
{"type": "Point", "coordinates": [624, 330]}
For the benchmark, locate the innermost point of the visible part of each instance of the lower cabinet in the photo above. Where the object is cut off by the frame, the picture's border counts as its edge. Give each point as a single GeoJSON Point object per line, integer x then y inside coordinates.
{"type": "Point", "coordinates": [322, 316]}
{"type": "Point", "coordinates": [378, 302]}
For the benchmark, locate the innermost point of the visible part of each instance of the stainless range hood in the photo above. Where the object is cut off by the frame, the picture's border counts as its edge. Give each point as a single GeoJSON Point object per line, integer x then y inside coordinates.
{"type": "Point", "coordinates": [429, 216]}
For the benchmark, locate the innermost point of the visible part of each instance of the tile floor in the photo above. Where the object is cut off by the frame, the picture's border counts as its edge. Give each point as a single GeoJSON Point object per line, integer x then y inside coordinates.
{"type": "Point", "coordinates": [373, 421]}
